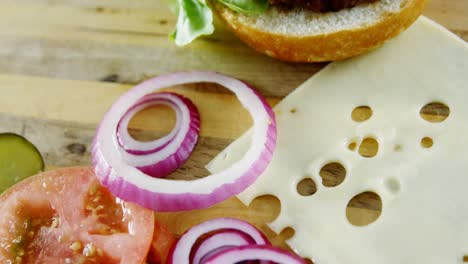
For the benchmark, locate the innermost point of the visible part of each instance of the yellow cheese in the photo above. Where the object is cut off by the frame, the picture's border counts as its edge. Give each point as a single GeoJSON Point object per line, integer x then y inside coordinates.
{"type": "Point", "coordinates": [419, 170]}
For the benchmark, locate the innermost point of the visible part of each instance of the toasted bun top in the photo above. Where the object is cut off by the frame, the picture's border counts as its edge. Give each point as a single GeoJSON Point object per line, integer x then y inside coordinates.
{"type": "Point", "coordinates": [306, 36]}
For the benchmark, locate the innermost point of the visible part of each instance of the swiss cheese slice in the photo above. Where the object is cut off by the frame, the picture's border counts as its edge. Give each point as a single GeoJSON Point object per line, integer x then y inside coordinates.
{"type": "Point", "coordinates": [424, 189]}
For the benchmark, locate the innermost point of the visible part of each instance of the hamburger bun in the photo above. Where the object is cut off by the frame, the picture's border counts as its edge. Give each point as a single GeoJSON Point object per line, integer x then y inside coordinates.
{"type": "Point", "coordinates": [301, 35]}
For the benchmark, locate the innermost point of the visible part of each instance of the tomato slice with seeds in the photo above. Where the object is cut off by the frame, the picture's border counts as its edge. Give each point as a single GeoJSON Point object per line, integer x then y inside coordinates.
{"type": "Point", "coordinates": [162, 244]}
{"type": "Point", "coordinates": [66, 216]}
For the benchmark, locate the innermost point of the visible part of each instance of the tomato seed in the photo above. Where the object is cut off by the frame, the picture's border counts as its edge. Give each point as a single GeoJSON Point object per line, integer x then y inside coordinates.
{"type": "Point", "coordinates": [89, 250]}
{"type": "Point", "coordinates": [55, 222]}
{"type": "Point", "coordinates": [93, 189]}
{"type": "Point", "coordinates": [76, 246]}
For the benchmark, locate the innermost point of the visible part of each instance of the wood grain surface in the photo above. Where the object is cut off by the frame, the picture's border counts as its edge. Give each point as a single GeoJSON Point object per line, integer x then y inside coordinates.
{"type": "Point", "coordinates": [126, 41]}
{"type": "Point", "coordinates": [63, 63]}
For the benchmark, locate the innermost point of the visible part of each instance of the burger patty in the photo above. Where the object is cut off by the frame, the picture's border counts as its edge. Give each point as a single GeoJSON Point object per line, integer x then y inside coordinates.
{"type": "Point", "coordinates": [320, 5]}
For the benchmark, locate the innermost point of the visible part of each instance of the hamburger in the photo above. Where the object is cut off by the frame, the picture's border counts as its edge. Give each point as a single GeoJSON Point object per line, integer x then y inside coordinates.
{"type": "Point", "coordinates": [302, 30]}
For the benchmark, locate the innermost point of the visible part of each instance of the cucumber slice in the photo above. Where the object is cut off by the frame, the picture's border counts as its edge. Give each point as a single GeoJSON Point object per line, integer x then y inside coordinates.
{"type": "Point", "coordinates": [19, 159]}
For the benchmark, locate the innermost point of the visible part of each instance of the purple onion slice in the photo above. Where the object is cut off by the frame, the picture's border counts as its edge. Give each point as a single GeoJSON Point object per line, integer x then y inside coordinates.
{"type": "Point", "coordinates": [137, 147]}
{"type": "Point", "coordinates": [140, 154]}
{"type": "Point", "coordinates": [127, 182]}
{"type": "Point", "coordinates": [254, 252]}
{"type": "Point", "coordinates": [220, 241]}
{"type": "Point", "coordinates": [185, 245]}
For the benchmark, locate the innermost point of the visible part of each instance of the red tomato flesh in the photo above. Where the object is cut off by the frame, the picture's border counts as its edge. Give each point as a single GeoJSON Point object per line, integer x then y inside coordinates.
{"type": "Point", "coordinates": [66, 216]}
{"type": "Point", "coordinates": [163, 242]}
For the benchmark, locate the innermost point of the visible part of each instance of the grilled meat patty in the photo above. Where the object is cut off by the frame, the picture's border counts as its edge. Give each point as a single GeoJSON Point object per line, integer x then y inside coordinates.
{"type": "Point", "coordinates": [320, 5]}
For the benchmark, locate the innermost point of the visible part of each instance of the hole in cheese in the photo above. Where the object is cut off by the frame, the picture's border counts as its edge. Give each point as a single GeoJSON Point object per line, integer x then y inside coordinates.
{"type": "Point", "coordinates": [361, 113]}
{"type": "Point", "coordinates": [435, 112]}
{"type": "Point", "coordinates": [398, 148]}
{"type": "Point", "coordinates": [268, 206]}
{"type": "Point", "coordinates": [287, 233]}
{"type": "Point", "coordinates": [333, 174]}
{"type": "Point", "coordinates": [427, 142]}
{"type": "Point", "coordinates": [306, 187]}
{"type": "Point", "coordinates": [280, 239]}
{"type": "Point", "coordinates": [352, 146]}
{"type": "Point", "coordinates": [369, 148]}
{"type": "Point", "coordinates": [364, 215]}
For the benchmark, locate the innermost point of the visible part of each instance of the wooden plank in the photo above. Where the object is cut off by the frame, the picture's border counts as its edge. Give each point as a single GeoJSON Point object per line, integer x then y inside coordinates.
{"type": "Point", "coordinates": [151, 17]}
{"type": "Point", "coordinates": [126, 41]}
{"type": "Point", "coordinates": [262, 210]}
{"type": "Point", "coordinates": [452, 14]}
{"type": "Point", "coordinates": [60, 143]}
{"type": "Point", "coordinates": [86, 102]}
{"type": "Point", "coordinates": [132, 44]}
{"type": "Point", "coordinates": [64, 144]}
{"type": "Point", "coordinates": [68, 144]}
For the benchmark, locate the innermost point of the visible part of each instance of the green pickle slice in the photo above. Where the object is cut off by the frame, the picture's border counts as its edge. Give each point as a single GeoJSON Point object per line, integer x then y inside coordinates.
{"type": "Point", "coordinates": [19, 159]}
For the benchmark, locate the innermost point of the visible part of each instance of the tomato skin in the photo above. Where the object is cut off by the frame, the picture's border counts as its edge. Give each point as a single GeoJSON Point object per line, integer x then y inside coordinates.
{"type": "Point", "coordinates": [66, 216]}
{"type": "Point", "coordinates": [162, 244]}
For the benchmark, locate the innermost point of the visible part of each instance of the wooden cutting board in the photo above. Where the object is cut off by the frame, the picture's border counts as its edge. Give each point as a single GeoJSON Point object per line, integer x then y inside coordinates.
{"type": "Point", "coordinates": [63, 63]}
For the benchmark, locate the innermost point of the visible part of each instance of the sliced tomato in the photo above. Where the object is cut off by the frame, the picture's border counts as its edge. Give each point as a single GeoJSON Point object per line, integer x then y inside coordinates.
{"type": "Point", "coordinates": [66, 216]}
{"type": "Point", "coordinates": [163, 241]}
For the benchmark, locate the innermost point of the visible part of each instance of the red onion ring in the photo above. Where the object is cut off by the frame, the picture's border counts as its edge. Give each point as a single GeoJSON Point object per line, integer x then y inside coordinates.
{"type": "Point", "coordinates": [140, 154]}
{"type": "Point", "coordinates": [137, 147]}
{"type": "Point", "coordinates": [220, 241]}
{"type": "Point", "coordinates": [254, 252]}
{"type": "Point", "coordinates": [181, 252]}
{"type": "Point", "coordinates": [212, 253]}
{"type": "Point", "coordinates": [129, 183]}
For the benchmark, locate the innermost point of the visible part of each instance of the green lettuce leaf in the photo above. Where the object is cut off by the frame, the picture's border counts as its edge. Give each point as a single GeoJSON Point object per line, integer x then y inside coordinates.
{"type": "Point", "coordinates": [195, 19]}
{"type": "Point", "coordinates": [247, 6]}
